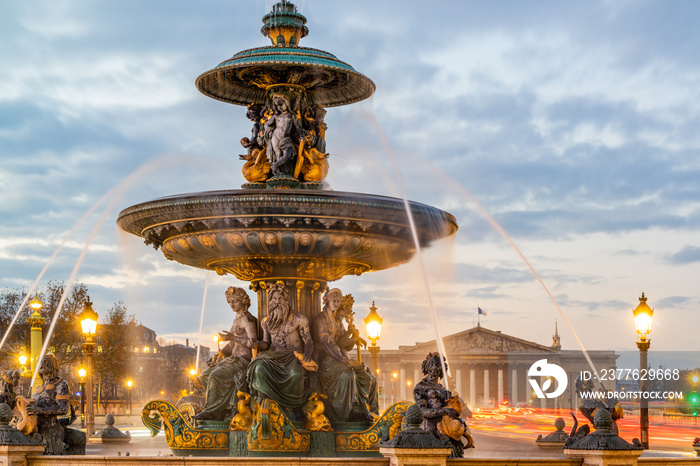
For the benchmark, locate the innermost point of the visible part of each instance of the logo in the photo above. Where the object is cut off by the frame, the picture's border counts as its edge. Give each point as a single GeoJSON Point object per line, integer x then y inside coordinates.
{"type": "Point", "coordinates": [550, 371]}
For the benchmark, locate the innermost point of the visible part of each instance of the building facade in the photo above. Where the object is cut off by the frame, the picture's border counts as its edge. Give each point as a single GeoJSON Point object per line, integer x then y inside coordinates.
{"type": "Point", "coordinates": [487, 368]}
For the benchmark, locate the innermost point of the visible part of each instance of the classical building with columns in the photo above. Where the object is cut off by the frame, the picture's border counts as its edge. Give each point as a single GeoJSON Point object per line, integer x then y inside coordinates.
{"type": "Point", "coordinates": [487, 368]}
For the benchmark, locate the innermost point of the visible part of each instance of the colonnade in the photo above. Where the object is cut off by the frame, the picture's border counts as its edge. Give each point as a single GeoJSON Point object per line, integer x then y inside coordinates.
{"type": "Point", "coordinates": [480, 384]}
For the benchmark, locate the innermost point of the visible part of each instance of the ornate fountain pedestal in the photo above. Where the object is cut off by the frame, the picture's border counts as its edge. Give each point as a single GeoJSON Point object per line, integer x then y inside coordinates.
{"type": "Point", "coordinates": [271, 433]}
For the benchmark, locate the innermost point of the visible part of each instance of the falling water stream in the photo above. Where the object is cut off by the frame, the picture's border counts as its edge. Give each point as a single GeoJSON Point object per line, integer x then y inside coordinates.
{"type": "Point", "coordinates": [419, 254]}
{"type": "Point", "coordinates": [201, 319]}
{"type": "Point", "coordinates": [492, 221]}
{"type": "Point", "coordinates": [496, 226]}
{"type": "Point", "coordinates": [115, 194]}
{"type": "Point", "coordinates": [50, 261]}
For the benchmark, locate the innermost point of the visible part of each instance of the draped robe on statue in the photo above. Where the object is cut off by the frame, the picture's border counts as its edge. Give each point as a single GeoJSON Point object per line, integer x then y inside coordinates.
{"type": "Point", "coordinates": [223, 381]}
{"type": "Point", "coordinates": [280, 376]}
{"type": "Point", "coordinates": [350, 390]}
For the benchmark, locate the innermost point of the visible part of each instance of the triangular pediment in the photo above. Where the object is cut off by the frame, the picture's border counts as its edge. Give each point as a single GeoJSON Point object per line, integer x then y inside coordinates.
{"type": "Point", "coordinates": [479, 340]}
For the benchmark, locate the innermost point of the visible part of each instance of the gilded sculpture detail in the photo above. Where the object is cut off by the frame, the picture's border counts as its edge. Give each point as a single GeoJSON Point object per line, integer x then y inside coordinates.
{"type": "Point", "coordinates": [247, 408]}
{"type": "Point", "coordinates": [179, 434]}
{"type": "Point", "coordinates": [314, 409]}
{"type": "Point", "coordinates": [272, 430]}
{"type": "Point", "coordinates": [287, 141]}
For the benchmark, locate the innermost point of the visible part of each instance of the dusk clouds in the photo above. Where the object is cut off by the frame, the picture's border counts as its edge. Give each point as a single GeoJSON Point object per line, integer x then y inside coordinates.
{"type": "Point", "coordinates": [575, 126]}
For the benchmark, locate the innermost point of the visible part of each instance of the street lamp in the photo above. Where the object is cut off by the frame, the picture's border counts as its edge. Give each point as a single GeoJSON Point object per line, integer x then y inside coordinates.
{"type": "Point", "coordinates": [642, 320]}
{"type": "Point", "coordinates": [36, 321]}
{"type": "Point", "coordinates": [217, 339]}
{"type": "Point", "coordinates": [373, 322]}
{"type": "Point", "coordinates": [88, 322]}
{"type": "Point", "coordinates": [193, 372]}
{"type": "Point", "coordinates": [23, 364]}
{"type": "Point", "coordinates": [82, 373]}
{"type": "Point", "coordinates": [129, 384]}
{"type": "Point", "coordinates": [393, 382]}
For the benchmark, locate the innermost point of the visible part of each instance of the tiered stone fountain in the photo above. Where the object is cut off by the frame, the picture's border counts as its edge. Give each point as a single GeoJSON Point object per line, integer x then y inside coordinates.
{"type": "Point", "coordinates": [285, 224]}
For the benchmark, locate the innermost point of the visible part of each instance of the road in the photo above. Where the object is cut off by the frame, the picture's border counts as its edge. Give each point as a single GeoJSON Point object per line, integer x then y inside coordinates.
{"type": "Point", "coordinates": [496, 435]}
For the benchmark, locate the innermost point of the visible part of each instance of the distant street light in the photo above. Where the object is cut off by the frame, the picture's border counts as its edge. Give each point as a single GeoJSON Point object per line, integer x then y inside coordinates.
{"type": "Point", "coordinates": [129, 384]}
{"type": "Point", "coordinates": [37, 322]}
{"type": "Point", "coordinates": [23, 364]}
{"type": "Point", "coordinates": [193, 373]}
{"type": "Point", "coordinates": [373, 322]}
{"type": "Point", "coordinates": [88, 322]}
{"type": "Point", "coordinates": [642, 319]}
{"type": "Point", "coordinates": [82, 373]}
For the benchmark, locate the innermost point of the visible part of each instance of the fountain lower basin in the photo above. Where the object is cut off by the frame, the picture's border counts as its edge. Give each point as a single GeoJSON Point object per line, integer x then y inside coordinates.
{"type": "Point", "coordinates": [263, 234]}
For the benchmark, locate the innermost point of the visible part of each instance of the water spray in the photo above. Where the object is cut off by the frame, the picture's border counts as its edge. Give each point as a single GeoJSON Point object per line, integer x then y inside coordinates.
{"type": "Point", "coordinates": [201, 319]}
{"type": "Point", "coordinates": [419, 250]}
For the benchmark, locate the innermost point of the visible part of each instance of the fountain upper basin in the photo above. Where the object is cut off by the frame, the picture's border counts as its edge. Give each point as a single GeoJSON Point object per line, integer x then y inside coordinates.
{"type": "Point", "coordinates": [265, 234]}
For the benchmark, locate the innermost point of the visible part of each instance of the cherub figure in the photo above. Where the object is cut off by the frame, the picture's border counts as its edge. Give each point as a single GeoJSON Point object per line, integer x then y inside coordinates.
{"type": "Point", "coordinates": [312, 163]}
{"type": "Point", "coordinates": [280, 131]}
{"type": "Point", "coordinates": [257, 167]}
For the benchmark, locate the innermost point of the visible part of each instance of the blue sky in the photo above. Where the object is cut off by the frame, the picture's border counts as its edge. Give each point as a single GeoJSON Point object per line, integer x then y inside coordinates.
{"type": "Point", "coordinates": [574, 125]}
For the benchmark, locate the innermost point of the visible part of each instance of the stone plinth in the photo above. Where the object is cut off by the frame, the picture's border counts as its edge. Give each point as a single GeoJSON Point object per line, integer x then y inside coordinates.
{"type": "Point", "coordinates": [550, 446]}
{"type": "Point", "coordinates": [16, 455]}
{"type": "Point", "coordinates": [605, 457]}
{"type": "Point", "coordinates": [416, 456]}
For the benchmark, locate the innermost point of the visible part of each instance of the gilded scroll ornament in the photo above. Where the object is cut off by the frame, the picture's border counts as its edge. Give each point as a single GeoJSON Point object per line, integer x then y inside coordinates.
{"type": "Point", "coordinates": [272, 431]}
{"type": "Point", "coordinates": [388, 425]}
{"type": "Point", "coordinates": [160, 415]}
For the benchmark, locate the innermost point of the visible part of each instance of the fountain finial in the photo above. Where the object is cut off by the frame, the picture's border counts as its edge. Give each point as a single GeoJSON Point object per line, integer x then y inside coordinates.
{"type": "Point", "coordinates": [284, 25]}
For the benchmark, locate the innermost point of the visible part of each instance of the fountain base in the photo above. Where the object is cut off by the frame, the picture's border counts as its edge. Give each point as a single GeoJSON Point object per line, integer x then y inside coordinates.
{"type": "Point", "coordinates": [272, 434]}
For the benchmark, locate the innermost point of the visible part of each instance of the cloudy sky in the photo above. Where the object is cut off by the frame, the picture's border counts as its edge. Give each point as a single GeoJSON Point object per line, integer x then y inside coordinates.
{"type": "Point", "coordinates": [575, 126]}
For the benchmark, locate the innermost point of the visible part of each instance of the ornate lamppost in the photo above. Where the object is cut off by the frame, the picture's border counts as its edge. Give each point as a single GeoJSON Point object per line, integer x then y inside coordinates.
{"type": "Point", "coordinates": [25, 371]}
{"type": "Point", "coordinates": [36, 321]}
{"type": "Point", "coordinates": [23, 364]}
{"type": "Point", "coordinates": [129, 384]}
{"type": "Point", "coordinates": [373, 322]}
{"type": "Point", "coordinates": [88, 322]}
{"type": "Point", "coordinates": [642, 319]}
{"type": "Point", "coordinates": [193, 373]}
{"type": "Point", "coordinates": [82, 373]}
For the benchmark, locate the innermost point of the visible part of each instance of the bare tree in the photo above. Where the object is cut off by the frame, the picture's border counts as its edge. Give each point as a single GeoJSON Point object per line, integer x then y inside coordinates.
{"type": "Point", "coordinates": [113, 356]}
